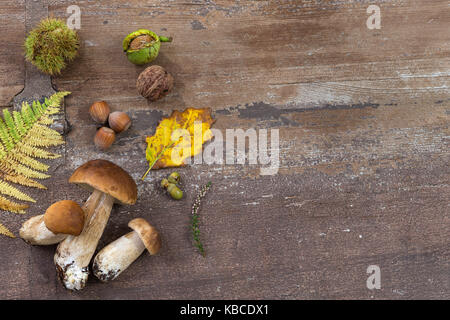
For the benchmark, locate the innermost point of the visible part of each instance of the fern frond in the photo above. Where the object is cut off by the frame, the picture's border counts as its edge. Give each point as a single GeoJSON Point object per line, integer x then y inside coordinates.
{"type": "Point", "coordinates": [11, 191]}
{"type": "Point", "coordinates": [23, 136]}
{"type": "Point", "coordinates": [39, 141]}
{"type": "Point", "coordinates": [56, 99]}
{"type": "Point", "coordinates": [26, 120]}
{"type": "Point", "coordinates": [46, 120]}
{"type": "Point", "coordinates": [22, 180]}
{"type": "Point", "coordinates": [36, 152]}
{"type": "Point", "coordinates": [11, 125]}
{"type": "Point", "coordinates": [5, 138]}
{"type": "Point", "coordinates": [45, 131]}
{"type": "Point", "coordinates": [18, 121]}
{"type": "Point", "coordinates": [11, 206]}
{"type": "Point", "coordinates": [29, 161]}
{"type": "Point", "coordinates": [11, 165]}
{"type": "Point", "coordinates": [5, 231]}
{"type": "Point", "coordinates": [37, 109]}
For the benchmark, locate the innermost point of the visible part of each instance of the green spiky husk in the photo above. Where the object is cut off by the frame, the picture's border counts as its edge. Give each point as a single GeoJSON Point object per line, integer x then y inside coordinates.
{"type": "Point", "coordinates": [51, 45]}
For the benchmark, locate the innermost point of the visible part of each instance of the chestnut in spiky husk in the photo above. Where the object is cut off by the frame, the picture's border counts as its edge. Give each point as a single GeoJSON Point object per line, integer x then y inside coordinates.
{"type": "Point", "coordinates": [154, 83]}
{"type": "Point", "coordinates": [142, 46]}
{"type": "Point", "coordinates": [51, 45]}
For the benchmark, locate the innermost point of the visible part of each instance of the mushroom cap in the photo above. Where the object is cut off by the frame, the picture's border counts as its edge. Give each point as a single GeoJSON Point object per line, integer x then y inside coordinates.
{"type": "Point", "coordinates": [64, 217]}
{"type": "Point", "coordinates": [108, 178]}
{"type": "Point", "coordinates": [148, 234]}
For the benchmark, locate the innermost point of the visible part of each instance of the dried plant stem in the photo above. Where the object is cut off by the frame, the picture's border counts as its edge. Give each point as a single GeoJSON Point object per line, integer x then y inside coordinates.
{"type": "Point", "coordinates": [195, 219]}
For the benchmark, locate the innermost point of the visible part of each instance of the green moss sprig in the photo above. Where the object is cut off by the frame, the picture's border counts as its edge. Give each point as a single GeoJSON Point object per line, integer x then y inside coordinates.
{"type": "Point", "coordinates": [51, 45]}
{"type": "Point", "coordinates": [195, 220]}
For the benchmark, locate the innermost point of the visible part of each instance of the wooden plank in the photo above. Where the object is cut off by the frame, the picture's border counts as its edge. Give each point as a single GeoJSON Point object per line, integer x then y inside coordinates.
{"type": "Point", "coordinates": [364, 149]}
{"type": "Point", "coordinates": [12, 69]}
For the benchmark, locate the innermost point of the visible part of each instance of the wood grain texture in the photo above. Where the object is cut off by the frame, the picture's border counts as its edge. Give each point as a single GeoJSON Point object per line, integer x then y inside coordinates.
{"type": "Point", "coordinates": [364, 149]}
{"type": "Point", "coordinates": [12, 67]}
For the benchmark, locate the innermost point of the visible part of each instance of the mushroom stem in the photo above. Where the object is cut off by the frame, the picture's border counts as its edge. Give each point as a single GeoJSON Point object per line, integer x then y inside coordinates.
{"type": "Point", "coordinates": [35, 232]}
{"type": "Point", "coordinates": [113, 259]}
{"type": "Point", "coordinates": [74, 253]}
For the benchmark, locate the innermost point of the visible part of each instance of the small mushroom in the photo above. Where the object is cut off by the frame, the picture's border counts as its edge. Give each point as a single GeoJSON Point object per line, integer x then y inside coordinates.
{"type": "Point", "coordinates": [108, 182]}
{"type": "Point", "coordinates": [113, 259]}
{"type": "Point", "coordinates": [61, 219]}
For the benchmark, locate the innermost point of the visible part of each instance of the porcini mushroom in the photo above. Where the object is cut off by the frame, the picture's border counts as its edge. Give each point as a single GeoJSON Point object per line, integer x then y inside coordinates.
{"type": "Point", "coordinates": [117, 256]}
{"type": "Point", "coordinates": [109, 182]}
{"type": "Point", "coordinates": [63, 218]}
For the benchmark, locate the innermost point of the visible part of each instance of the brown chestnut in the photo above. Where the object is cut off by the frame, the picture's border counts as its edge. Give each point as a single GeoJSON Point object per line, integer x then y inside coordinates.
{"type": "Point", "coordinates": [99, 111]}
{"type": "Point", "coordinates": [104, 138]}
{"type": "Point", "coordinates": [119, 121]}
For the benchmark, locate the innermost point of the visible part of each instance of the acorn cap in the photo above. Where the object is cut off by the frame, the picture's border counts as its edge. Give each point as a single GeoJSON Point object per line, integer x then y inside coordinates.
{"type": "Point", "coordinates": [148, 234]}
{"type": "Point", "coordinates": [108, 178]}
{"type": "Point", "coordinates": [64, 217]}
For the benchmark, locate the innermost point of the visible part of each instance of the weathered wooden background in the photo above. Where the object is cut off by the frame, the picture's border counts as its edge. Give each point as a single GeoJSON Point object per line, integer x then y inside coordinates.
{"type": "Point", "coordinates": [364, 147]}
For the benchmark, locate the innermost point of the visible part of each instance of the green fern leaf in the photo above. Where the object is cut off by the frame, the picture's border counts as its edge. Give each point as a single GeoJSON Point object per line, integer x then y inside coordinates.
{"type": "Point", "coordinates": [18, 121]}
{"type": "Point", "coordinates": [5, 138]}
{"type": "Point", "coordinates": [11, 125]}
{"type": "Point", "coordinates": [24, 137]}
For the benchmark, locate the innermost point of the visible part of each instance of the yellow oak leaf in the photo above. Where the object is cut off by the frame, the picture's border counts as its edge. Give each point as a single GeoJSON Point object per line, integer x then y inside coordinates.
{"type": "Point", "coordinates": [179, 137]}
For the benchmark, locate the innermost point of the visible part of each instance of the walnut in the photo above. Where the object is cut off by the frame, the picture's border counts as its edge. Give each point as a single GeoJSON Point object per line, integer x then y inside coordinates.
{"type": "Point", "coordinates": [154, 83]}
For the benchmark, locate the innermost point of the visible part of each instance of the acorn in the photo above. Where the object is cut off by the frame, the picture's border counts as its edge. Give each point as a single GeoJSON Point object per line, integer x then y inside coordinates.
{"type": "Point", "coordinates": [119, 121]}
{"type": "Point", "coordinates": [174, 178]}
{"type": "Point", "coordinates": [164, 183]}
{"type": "Point", "coordinates": [170, 184]}
{"type": "Point", "coordinates": [51, 46]}
{"type": "Point", "coordinates": [104, 138]}
{"type": "Point", "coordinates": [154, 83]}
{"type": "Point", "coordinates": [174, 191]}
{"type": "Point", "coordinates": [142, 46]}
{"type": "Point", "coordinates": [99, 111]}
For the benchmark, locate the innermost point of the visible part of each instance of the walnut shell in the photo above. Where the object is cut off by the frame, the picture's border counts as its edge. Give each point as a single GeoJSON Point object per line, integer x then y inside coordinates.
{"type": "Point", "coordinates": [154, 83]}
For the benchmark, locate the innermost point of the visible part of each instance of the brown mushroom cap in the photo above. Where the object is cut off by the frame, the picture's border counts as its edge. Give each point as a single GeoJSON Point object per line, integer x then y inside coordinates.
{"type": "Point", "coordinates": [64, 217]}
{"type": "Point", "coordinates": [106, 177]}
{"type": "Point", "coordinates": [148, 234]}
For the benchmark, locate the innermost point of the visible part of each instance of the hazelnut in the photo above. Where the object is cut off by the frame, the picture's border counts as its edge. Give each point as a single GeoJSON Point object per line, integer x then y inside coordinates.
{"type": "Point", "coordinates": [99, 111]}
{"type": "Point", "coordinates": [104, 138]}
{"type": "Point", "coordinates": [154, 83]}
{"type": "Point", "coordinates": [119, 121]}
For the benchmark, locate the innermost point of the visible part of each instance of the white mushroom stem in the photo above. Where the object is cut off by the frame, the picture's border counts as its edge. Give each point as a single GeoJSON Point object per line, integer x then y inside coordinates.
{"type": "Point", "coordinates": [113, 259]}
{"type": "Point", "coordinates": [35, 232]}
{"type": "Point", "coordinates": [74, 253]}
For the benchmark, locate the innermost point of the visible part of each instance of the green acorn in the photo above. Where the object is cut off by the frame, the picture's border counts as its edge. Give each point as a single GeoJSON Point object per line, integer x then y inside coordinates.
{"type": "Point", "coordinates": [171, 187]}
{"type": "Point", "coordinates": [174, 191]}
{"type": "Point", "coordinates": [142, 46]}
{"type": "Point", "coordinates": [174, 177]}
{"type": "Point", "coordinates": [51, 45]}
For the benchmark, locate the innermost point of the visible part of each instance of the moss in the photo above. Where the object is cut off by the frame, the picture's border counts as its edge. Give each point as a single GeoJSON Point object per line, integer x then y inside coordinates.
{"type": "Point", "coordinates": [51, 45]}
